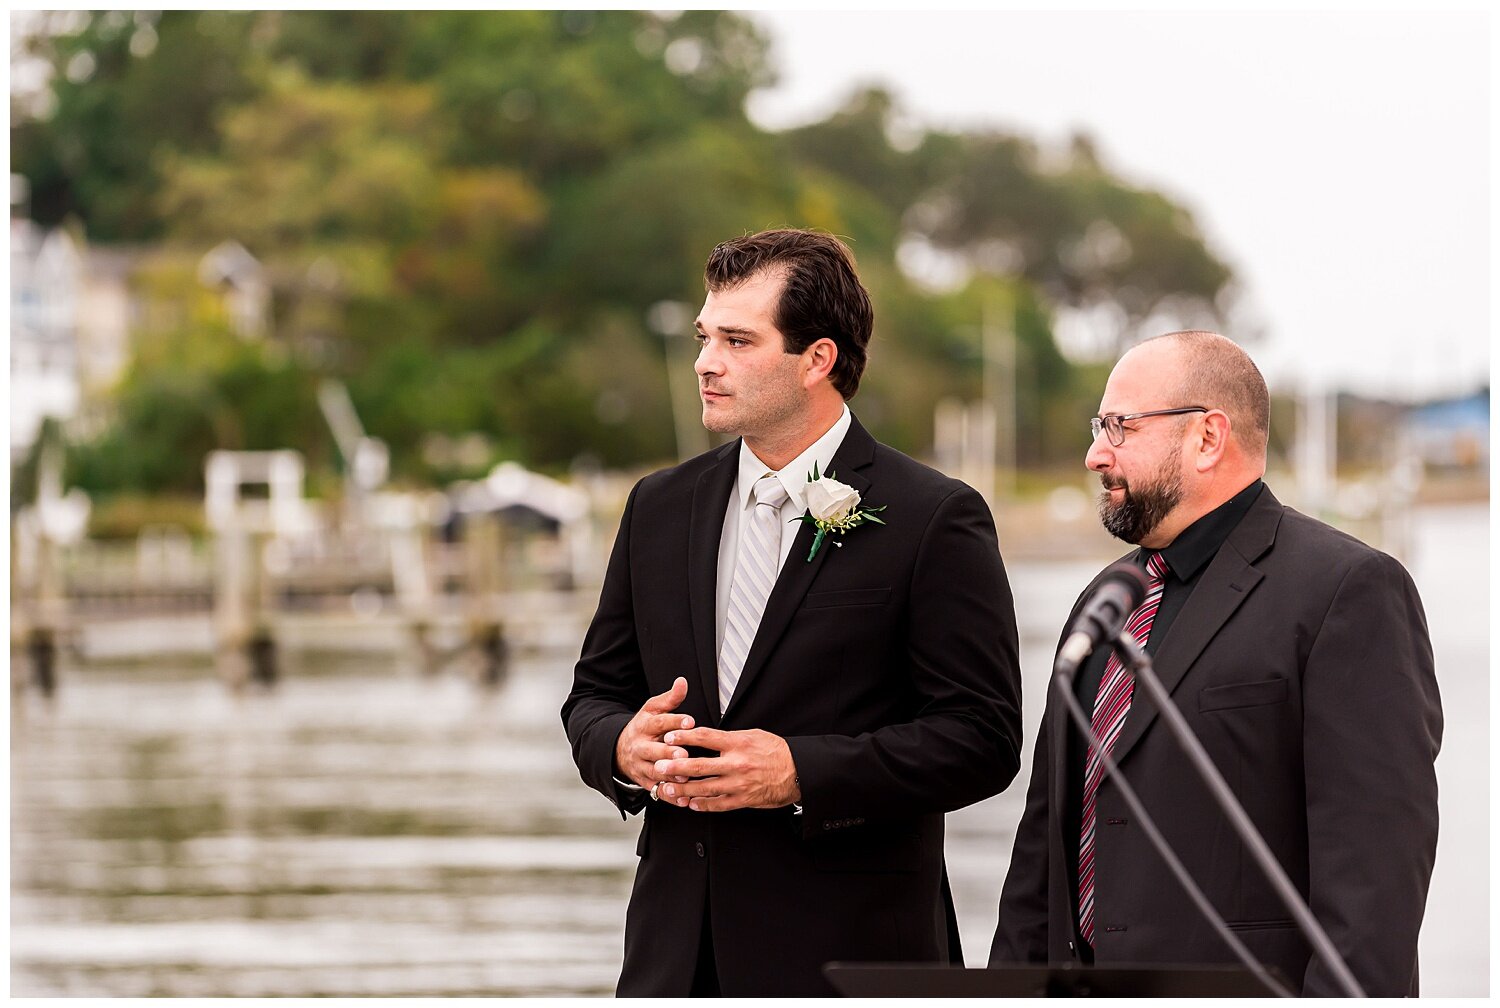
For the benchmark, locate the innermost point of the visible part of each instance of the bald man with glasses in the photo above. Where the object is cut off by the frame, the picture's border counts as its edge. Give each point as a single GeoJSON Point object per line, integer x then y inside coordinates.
{"type": "Point", "coordinates": [1300, 658]}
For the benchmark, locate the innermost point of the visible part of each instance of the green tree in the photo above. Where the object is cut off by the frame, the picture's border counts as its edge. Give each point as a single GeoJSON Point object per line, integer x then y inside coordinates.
{"type": "Point", "coordinates": [117, 102]}
{"type": "Point", "coordinates": [169, 418]}
{"type": "Point", "coordinates": [1083, 236]}
{"type": "Point", "coordinates": [468, 215]}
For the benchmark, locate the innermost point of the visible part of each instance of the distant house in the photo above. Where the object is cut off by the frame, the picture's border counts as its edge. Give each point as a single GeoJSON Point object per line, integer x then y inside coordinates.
{"type": "Point", "coordinates": [230, 268]}
{"type": "Point", "coordinates": [1453, 433]}
{"type": "Point", "coordinates": [45, 274]}
{"type": "Point", "coordinates": [69, 323]}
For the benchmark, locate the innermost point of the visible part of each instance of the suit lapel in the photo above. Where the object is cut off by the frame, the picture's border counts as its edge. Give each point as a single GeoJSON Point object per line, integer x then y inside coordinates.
{"type": "Point", "coordinates": [1228, 581]}
{"type": "Point", "coordinates": [710, 498]}
{"type": "Point", "coordinates": [855, 453]}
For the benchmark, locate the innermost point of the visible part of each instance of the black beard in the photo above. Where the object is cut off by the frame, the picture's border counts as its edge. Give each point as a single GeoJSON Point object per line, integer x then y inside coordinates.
{"type": "Point", "coordinates": [1142, 509]}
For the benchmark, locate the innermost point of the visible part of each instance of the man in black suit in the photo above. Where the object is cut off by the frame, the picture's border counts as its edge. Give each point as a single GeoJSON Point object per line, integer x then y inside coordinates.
{"type": "Point", "coordinates": [794, 712]}
{"type": "Point", "coordinates": [1298, 655]}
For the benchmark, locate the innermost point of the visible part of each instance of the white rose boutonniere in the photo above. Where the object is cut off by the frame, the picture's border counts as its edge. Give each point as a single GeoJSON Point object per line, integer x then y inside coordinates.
{"type": "Point", "coordinates": [833, 507]}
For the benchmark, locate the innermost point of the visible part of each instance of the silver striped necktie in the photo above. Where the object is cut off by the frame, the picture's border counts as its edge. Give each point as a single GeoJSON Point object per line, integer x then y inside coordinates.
{"type": "Point", "coordinates": [754, 573]}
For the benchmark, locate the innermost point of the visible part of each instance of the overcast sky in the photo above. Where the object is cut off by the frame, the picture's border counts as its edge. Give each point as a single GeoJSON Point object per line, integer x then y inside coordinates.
{"type": "Point", "coordinates": [1340, 162]}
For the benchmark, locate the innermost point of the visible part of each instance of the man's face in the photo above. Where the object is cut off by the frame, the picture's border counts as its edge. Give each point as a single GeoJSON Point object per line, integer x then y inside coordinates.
{"type": "Point", "coordinates": [1132, 511]}
{"type": "Point", "coordinates": [1142, 478]}
{"type": "Point", "coordinates": [749, 384]}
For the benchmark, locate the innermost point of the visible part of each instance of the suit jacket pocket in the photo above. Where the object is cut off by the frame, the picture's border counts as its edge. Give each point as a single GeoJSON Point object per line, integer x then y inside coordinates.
{"type": "Point", "coordinates": [863, 851]}
{"type": "Point", "coordinates": [1260, 925]}
{"type": "Point", "coordinates": [849, 597]}
{"type": "Point", "coordinates": [1247, 694]}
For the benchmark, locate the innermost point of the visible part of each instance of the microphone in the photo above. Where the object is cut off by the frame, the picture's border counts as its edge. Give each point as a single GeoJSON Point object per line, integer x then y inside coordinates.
{"type": "Point", "coordinates": [1121, 589]}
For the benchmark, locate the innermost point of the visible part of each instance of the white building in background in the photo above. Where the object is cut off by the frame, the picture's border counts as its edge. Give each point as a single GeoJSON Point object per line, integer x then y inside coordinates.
{"type": "Point", "coordinates": [106, 309]}
{"type": "Point", "coordinates": [45, 276]}
{"type": "Point", "coordinates": [69, 323]}
{"type": "Point", "coordinates": [230, 268]}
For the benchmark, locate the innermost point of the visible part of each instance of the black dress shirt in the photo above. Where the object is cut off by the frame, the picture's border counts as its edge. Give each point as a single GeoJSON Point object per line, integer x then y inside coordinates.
{"type": "Point", "coordinates": [1187, 557]}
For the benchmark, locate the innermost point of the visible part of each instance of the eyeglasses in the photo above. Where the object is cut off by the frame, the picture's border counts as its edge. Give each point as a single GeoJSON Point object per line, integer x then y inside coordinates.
{"type": "Point", "coordinates": [1113, 424]}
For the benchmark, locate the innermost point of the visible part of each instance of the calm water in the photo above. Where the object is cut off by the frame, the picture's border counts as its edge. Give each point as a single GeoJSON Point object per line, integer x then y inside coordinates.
{"type": "Point", "coordinates": [362, 830]}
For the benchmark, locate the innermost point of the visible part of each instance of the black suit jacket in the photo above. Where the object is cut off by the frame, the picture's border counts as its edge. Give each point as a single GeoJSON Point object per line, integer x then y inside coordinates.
{"type": "Point", "coordinates": [1301, 661]}
{"type": "Point", "coordinates": [889, 666]}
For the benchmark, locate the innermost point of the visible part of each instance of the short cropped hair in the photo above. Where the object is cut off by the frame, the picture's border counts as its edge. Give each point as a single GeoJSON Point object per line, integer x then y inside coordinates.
{"type": "Point", "coordinates": [1217, 373]}
{"type": "Point", "coordinates": [822, 296]}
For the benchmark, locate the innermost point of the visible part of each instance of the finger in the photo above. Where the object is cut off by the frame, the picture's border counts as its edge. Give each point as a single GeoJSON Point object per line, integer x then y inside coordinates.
{"type": "Point", "coordinates": [708, 787]}
{"type": "Point", "coordinates": [658, 725]}
{"type": "Point", "coordinates": [651, 753]}
{"type": "Point", "coordinates": [717, 803]}
{"type": "Point", "coordinates": [662, 703]}
{"type": "Point", "coordinates": [698, 766]}
{"type": "Point", "coordinates": [709, 738]}
{"type": "Point", "coordinates": [672, 795]}
{"type": "Point", "coordinates": [643, 775]}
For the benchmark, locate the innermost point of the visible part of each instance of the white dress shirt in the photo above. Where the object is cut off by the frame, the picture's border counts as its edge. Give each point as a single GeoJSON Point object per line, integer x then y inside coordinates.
{"type": "Point", "coordinates": [793, 476]}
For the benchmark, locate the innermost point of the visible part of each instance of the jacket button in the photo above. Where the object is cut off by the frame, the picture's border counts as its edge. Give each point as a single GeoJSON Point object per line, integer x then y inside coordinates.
{"type": "Point", "coordinates": [699, 848]}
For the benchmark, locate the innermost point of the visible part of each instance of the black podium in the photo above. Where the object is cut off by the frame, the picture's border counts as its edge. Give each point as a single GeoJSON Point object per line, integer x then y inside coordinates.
{"type": "Point", "coordinates": [934, 980]}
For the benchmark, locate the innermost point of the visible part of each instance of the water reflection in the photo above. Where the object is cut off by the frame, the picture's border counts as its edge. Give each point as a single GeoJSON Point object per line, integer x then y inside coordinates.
{"type": "Point", "coordinates": [362, 830]}
{"type": "Point", "coordinates": [358, 831]}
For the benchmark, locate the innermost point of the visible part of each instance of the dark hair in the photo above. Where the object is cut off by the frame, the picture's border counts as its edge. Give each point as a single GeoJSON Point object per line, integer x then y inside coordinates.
{"type": "Point", "coordinates": [822, 296]}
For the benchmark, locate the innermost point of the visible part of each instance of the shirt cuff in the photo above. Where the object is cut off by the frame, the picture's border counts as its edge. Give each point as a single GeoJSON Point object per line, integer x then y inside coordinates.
{"type": "Point", "coordinates": [627, 785]}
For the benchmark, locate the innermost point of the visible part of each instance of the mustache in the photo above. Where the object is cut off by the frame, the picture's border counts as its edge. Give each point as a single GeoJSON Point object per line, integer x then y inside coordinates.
{"type": "Point", "coordinates": [1113, 483]}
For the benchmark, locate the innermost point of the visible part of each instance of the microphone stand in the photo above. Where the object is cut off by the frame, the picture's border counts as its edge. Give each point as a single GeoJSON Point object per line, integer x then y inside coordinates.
{"type": "Point", "coordinates": [1064, 684]}
{"type": "Point", "coordinates": [1140, 666]}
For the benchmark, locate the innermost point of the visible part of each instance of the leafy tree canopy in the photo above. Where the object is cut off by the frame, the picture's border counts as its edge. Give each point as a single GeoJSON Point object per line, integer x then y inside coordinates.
{"type": "Point", "coordinates": [468, 216]}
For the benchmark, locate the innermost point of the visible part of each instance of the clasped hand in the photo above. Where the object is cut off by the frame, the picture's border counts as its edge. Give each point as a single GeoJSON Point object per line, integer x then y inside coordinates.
{"type": "Point", "coordinates": [754, 769]}
{"type": "Point", "coordinates": [640, 744]}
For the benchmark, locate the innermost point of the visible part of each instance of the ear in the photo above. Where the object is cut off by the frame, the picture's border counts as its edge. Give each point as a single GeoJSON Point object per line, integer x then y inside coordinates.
{"type": "Point", "coordinates": [1213, 442]}
{"type": "Point", "coordinates": [818, 361]}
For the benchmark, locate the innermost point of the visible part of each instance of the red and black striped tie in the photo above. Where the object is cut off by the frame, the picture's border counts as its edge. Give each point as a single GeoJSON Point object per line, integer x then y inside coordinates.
{"type": "Point", "coordinates": [1110, 708]}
